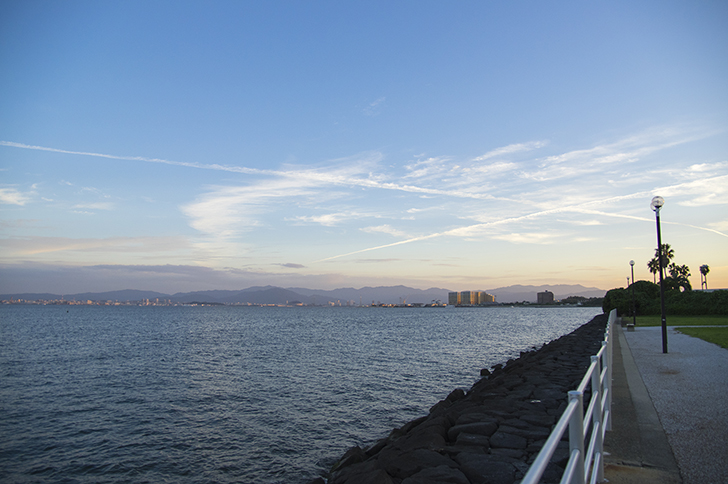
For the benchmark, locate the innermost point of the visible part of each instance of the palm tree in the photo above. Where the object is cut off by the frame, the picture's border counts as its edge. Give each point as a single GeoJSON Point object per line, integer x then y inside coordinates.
{"type": "Point", "coordinates": [704, 269]}
{"type": "Point", "coordinates": [653, 267]}
{"type": "Point", "coordinates": [668, 253]}
{"type": "Point", "coordinates": [679, 275]}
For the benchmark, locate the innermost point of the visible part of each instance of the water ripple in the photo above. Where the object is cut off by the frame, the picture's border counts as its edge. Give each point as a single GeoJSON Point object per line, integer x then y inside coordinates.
{"type": "Point", "coordinates": [232, 394]}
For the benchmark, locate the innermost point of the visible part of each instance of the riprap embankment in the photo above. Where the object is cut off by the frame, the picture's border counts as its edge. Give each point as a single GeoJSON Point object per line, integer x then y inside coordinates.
{"type": "Point", "coordinates": [489, 434]}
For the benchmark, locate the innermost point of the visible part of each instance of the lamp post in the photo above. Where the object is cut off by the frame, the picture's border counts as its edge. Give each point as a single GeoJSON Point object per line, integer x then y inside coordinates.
{"type": "Point", "coordinates": [634, 307]}
{"type": "Point", "coordinates": [656, 205]}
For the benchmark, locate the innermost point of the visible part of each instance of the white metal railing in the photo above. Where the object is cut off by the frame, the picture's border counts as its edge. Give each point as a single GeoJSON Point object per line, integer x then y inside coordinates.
{"type": "Point", "coordinates": [586, 463]}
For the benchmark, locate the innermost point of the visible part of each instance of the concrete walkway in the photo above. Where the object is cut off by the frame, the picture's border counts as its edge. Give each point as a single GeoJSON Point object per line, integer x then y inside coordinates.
{"type": "Point", "coordinates": [670, 410]}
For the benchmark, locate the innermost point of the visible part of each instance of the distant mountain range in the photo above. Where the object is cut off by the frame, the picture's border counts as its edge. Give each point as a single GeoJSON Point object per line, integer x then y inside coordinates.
{"type": "Point", "coordinates": [279, 295]}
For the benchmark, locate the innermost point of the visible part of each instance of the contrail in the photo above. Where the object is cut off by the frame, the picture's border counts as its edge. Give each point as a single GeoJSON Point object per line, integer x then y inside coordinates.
{"type": "Point", "coordinates": [235, 169]}
{"type": "Point", "coordinates": [456, 231]}
{"type": "Point", "coordinates": [315, 176]}
{"type": "Point", "coordinates": [401, 242]}
{"type": "Point", "coordinates": [644, 219]}
{"type": "Point", "coordinates": [574, 208]}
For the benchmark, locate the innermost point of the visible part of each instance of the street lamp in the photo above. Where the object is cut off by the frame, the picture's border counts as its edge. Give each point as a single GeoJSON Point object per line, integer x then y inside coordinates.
{"type": "Point", "coordinates": [656, 205]}
{"type": "Point", "coordinates": [634, 306]}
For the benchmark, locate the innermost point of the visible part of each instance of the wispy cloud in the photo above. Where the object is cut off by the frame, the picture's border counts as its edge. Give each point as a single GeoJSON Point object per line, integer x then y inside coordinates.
{"type": "Point", "coordinates": [434, 166]}
{"type": "Point", "coordinates": [485, 229]}
{"type": "Point", "coordinates": [706, 191]}
{"type": "Point", "coordinates": [703, 168]}
{"type": "Point", "coordinates": [351, 171]}
{"type": "Point", "coordinates": [495, 168]}
{"type": "Point", "coordinates": [375, 107]}
{"type": "Point", "coordinates": [529, 238]}
{"type": "Point", "coordinates": [94, 206]}
{"type": "Point", "coordinates": [12, 196]}
{"type": "Point", "coordinates": [28, 246]}
{"type": "Point", "coordinates": [226, 211]}
{"type": "Point", "coordinates": [384, 229]}
{"type": "Point", "coordinates": [584, 223]}
{"type": "Point", "coordinates": [510, 149]}
{"type": "Point", "coordinates": [328, 219]}
{"type": "Point", "coordinates": [503, 191]}
{"type": "Point", "coordinates": [599, 158]}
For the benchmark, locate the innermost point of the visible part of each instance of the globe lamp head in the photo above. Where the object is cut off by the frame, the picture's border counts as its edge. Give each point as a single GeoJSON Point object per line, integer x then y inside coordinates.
{"type": "Point", "coordinates": [657, 203]}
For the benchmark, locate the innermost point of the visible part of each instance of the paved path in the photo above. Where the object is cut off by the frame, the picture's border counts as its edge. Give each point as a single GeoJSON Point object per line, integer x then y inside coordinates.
{"type": "Point", "coordinates": [637, 449]}
{"type": "Point", "coordinates": [688, 387]}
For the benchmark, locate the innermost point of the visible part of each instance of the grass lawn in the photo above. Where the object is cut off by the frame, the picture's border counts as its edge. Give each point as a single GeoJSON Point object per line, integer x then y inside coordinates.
{"type": "Point", "coordinates": [680, 320]}
{"type": "Point", "coordinates": [718, 336]}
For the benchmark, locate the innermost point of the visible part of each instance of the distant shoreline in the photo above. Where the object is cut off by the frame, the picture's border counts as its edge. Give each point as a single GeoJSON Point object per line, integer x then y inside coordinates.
{"type": "Point", "coordinates": [58, 302]}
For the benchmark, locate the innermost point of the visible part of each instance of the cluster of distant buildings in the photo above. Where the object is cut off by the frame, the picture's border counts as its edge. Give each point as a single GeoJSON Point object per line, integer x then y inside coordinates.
{"type": "Point", "coordinates": [89, 302]}
{"type": "Point", "coordinates": [470, 298]}
{"type": "Point", "coordinates": [482, 298]}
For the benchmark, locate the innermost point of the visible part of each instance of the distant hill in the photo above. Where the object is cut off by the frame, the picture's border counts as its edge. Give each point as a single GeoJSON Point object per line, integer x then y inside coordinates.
{"type": "Point", "coordinates": [279, 295]}
{"type": "Point", "coordinates": [383, 294]}
{"type": "Point", "coordinates": [123, 295]}
{"type": "Point", "coordinates": [252, 295]}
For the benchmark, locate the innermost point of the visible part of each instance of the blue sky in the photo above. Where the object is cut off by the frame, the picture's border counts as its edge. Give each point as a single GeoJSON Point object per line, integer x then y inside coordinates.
{"type": "Point", "coordinates": [176, 146]}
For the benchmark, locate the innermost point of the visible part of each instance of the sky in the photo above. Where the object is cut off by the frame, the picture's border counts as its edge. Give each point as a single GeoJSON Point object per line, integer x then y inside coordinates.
{"type": "Point", "coordinates": [189, 145]}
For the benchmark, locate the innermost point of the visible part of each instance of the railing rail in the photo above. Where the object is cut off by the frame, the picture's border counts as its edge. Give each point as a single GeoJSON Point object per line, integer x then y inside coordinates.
{"type": "Point", "coordinates": [585, 464]}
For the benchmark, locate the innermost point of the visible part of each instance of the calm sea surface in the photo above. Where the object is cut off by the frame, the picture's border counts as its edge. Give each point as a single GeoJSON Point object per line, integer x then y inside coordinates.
{"type": "Point", "coordinates": [233, 394]}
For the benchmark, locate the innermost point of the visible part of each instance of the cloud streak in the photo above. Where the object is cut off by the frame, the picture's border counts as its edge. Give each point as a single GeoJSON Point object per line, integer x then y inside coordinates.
{"type": "Point", "coordinates": [583, 208]}
{"type": "Point", "coordinates": [32, 246]}
{"type": "Point", "coordinates": [506, 191]}
{"type": "Point", "coordinates": [510, 149]}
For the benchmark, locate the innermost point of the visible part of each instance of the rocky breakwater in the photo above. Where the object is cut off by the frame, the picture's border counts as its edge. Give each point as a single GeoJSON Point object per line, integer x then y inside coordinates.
{"type": "Point", "coordinates": [492, 433]}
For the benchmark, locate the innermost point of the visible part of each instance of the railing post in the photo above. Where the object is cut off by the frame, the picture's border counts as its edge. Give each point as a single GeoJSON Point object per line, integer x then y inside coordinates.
{"type": "Point", "coordinates": [606, 385]}
{"type": "Point", "coordinates": [597, 415]}
{"type": "Point", "coordinates": [608, 382]}
{"type": "Point", "coordinates": [576, 434]}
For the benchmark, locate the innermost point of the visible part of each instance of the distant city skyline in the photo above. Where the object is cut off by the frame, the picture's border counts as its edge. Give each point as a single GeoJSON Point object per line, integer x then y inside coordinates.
{"type": "Point", "coordinates": [351, 296]}
{"type": "Point", "coordinates": [181, 146]}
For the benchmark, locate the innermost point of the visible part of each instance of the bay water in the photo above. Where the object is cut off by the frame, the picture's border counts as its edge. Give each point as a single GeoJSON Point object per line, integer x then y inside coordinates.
{"type": "Point", "coordinates": [232, 393]}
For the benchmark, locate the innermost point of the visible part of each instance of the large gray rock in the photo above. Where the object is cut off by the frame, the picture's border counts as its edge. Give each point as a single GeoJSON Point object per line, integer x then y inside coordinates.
{"type": "Point", "coordinates": [512, 453]}
{"type": "Point", "coordinates": [475, 415]}
{"type": "Point", "coordinates": [486, 428]}
{"type": "Point", "coordinates": [540, 419]}
{"type": "Point", "coordinates": [358, 473]}
{"type": "Point", "coordinates": [352, 456]}
{"type": "Point", "coordinates": [376, 477]}
{"type": "Point", "coordinates": [465, 438]}
{"type": "Point", "coordinates": [429, 435]}
{"type": "Point", "coordinates": [516, 422]}
{"type": "Point", "coordinates": [437, 475]}
{"type": "Point", "coordinates": [532, 433]}
{"type": "Point", "coordinates": [422, 440]}
{"type": "Point", "coordinates": [486, 469]}
{"type": "Point", "coordinates": [405, 464]}
{"type": "Point", "coordinates": [455, 449]}
{"type": "Point", "coordinates": [549, 393]}
{"type": "Point", "coordinates": [508, 441]}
